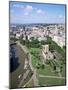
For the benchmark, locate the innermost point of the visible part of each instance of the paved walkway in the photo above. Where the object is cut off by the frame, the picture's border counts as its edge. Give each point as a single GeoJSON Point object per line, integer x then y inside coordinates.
{"type": "Point", "coordinates": [35, 79]}
{"type": "Point", "coordinates": [52, 77]}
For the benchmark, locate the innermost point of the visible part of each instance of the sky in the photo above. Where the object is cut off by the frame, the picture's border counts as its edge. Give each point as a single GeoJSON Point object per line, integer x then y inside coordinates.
{"type": "Point", "coordinates": [27, 13]}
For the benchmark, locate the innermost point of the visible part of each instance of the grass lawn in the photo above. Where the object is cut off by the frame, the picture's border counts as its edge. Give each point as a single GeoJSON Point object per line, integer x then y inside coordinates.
{"type": "Point", "coordinates": [47, 71]}
{"type": "Point", "coordinates": [63, 71]}
{"type": "Point", "coordinates": [35, 61]}
{"type": "Point", "coordinates": [34, 50]}
{"type": "Point", "coordinates": [35, 56]}
{"type": "Point", "coordinates": [55, 62]}
{"type": "Point", "coordinates": [51, 81]}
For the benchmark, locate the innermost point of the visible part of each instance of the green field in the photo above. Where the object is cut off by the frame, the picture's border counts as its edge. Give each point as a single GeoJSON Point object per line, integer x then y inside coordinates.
{"type": "Point", "coordinates": [34, 48]}
{"type": "Point", "coordinates": [63, 71]}
{"type": "Point", "coordinates": [35, 54]}
{"type": "Point", "coordinates": [44, 81]}
{"type": "Point", "coordinates": [54, 68]}
{"type": "Point", "coordinates": [47, 71]}
{"type": "Point", "coordinates": [49, 68]}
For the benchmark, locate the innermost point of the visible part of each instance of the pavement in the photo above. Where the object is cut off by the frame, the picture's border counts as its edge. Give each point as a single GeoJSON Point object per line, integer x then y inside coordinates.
{"type": "Point", "coordinates": [51, 77]}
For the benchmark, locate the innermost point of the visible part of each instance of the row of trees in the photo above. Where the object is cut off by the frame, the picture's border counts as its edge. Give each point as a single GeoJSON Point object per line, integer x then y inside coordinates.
{"type": "Point", "coordinates": [13, 39]}
{"type": "Point", "coordinates": [31, 44]}
{"type": "Point", "coordinates": [38, 66]}
{"type": "Point", "coordinates": [34, 43]}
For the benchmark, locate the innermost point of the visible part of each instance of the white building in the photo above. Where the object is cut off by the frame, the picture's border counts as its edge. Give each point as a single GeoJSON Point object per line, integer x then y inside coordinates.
{"type": "Point", "coordinates": [42, 38]}
{"type": "Point", "coordinates": [59, 40]}
{"type": "Point", "coordinates": [46, 48]}
{"type": "Point", "coordinates": [18, 35]}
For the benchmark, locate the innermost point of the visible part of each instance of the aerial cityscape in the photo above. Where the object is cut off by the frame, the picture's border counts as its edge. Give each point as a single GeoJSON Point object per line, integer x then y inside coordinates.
{"type": "Point", "coordinates": [37, 36]}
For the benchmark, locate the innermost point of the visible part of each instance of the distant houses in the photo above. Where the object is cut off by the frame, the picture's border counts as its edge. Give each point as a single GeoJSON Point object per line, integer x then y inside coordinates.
{"type": "Point", "coordinates": [56, 32]}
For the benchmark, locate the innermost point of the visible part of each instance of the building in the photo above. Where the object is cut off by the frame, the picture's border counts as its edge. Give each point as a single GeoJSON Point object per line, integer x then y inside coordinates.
{"type": "Point", "coordinates": [47, 55]}
{"type": "Point", "coordinates": [18, 34]}
{"type": "Point", "coordinates": [46, 48]}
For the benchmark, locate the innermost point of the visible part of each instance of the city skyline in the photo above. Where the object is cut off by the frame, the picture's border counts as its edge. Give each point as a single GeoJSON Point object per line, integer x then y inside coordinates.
{"type": "Point", "coordinates": [26, 13]}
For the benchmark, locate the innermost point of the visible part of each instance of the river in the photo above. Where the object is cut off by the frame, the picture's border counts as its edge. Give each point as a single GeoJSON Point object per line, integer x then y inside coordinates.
{"type": "Point", "coordinates": [17, 60]}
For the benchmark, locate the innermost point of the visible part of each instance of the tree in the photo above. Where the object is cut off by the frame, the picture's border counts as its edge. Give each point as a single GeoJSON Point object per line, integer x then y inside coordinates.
{"type": "Point", "coordinates": [38, 66]}
{"type": "Point", "coordinates": [32, 38]}
{"type": "Point", "coordinates": [61, 69]}
{"type": "Point", "coordinates": [22, 42]}
{"type": "Point", "coordinates": [42, 66]}
{"type": "Point", "coordinates": [54, 67]}
{"type": "Point", "coordinates": [43, 42]}
{"type": "Point", "coordinates": [26, 37]}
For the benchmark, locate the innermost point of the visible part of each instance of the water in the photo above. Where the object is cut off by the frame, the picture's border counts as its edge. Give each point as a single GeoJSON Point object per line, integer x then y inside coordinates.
{"type": "Point", "coordinates": [13, 58]}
